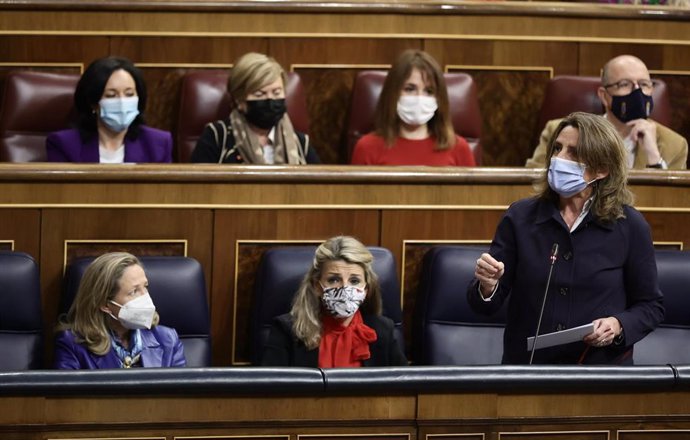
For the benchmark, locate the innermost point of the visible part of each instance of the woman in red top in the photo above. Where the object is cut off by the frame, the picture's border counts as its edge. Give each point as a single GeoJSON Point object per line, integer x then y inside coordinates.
{"type": "Point", "coordinates": [335, 319]}
{"type": "Point", "coordinates": [413, 125]}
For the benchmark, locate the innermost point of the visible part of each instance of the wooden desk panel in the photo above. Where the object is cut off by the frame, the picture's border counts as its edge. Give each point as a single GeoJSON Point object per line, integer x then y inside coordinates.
{"type": "Point", "coordinates": [225, 217]}
{"type": "Point", "coordinates": [510, 48]}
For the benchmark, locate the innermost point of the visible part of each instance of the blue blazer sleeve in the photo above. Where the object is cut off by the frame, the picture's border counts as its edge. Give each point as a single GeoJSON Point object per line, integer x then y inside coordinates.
{"type": "Point", "coordinates": [66, 349]}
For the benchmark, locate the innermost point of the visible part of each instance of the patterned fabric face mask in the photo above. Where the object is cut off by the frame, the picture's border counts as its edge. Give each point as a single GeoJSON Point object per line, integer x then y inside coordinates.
{"type": "Point", "coordinates": [343, 302]}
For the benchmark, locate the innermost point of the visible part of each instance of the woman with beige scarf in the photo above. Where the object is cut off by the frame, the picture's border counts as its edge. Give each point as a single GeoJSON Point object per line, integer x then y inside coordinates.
{"type": "Point", "coordinates": [258, 130]}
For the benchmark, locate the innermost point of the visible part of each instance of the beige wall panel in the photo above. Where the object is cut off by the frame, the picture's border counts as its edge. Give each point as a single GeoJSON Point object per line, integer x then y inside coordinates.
{"type": "Point", "coordinates": [264, 225]}
{"type": "Point", "coordinates": [113, 224]}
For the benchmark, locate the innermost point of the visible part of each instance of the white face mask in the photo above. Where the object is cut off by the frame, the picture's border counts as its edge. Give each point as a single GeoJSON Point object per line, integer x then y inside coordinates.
{"type": "Point", "coordinates": [416, 109]}
{"type": "Point", "coordinates": [343, 302]}
{"type": "Point", "coordinates": [137, 313]}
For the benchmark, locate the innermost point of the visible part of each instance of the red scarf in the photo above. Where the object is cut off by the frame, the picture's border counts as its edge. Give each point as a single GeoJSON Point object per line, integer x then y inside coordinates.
{"type": "Point", "coordinates": [345, 346]}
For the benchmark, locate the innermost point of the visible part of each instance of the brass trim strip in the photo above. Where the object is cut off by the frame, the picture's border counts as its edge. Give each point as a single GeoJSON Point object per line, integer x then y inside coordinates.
{"type": "Point", "coordinates": [297, 207]}
{"type": "Point", "coordinates": [41, 64]}
{"type": "Point", "coordinates": [111, 438]}
{"type": "Point", "coordinates": [548, 69]}
{"type": "Point", "coordinates": [258, 206]}
{"type": "Point", "coordinates": [185, 437]}
{"type": "Point", "coordinates": [339, 66]}
{"type": "Point", "coordinates": [474, 37]}
{"type": "Point", "coordinates": [669, 243]}
{"type": "Point", "coordinates": [506, 435]}
{"type": "Point", "coordinates": [186, 65]}
{"type": "Point", "coordinates": [377, 434]}
{"type": "Point", "coordinates": [646, 431]}
{"type": "Point", "coordinates": [469, 434]}
{"type": "Point", "coordinates": [669, 72]}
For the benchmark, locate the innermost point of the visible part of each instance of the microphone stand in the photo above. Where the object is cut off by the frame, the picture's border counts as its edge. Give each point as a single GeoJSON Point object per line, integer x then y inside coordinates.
{"type": "Point", "coordinates": [554, 254]}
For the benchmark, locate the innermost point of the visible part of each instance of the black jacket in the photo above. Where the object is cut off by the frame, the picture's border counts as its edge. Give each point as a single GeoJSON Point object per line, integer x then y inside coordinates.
{"type": "Point", "coordinates": [208, 149]}
{"type": "Point", "coordinates": [284, 349]}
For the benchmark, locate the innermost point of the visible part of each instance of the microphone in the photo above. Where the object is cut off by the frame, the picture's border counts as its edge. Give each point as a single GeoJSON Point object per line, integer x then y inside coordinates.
{"type": "Point", "coordinates": [552, 259]}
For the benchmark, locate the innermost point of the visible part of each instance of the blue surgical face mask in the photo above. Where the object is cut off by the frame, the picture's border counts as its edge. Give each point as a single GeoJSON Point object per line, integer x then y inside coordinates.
{"type": "Point", "coordinates": [634, 105]}
{"type": "Point", "coordinates": [118, 113]}
{"type": "Point", "coordinates": [567, 177]}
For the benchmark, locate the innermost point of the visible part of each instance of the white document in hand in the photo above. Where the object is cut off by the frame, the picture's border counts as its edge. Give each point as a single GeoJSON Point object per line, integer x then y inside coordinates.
{"type": "Point", "coordinates": [563, 337]}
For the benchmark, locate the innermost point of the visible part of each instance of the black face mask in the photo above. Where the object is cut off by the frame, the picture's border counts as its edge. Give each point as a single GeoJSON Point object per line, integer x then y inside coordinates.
{"type": "Point", "coordinates": [635, 105]}
{"type": "Point", "coordinates": [265, 113]}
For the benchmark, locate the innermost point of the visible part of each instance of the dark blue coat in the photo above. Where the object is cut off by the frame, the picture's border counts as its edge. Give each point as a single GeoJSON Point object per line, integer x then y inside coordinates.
{"type": "Point", "coordinates": [161, 348]}
{"type": "Point", "coordinates": [602, 270]}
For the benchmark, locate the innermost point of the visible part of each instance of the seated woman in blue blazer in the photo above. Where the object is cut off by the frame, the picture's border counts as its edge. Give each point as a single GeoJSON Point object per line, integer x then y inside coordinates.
{"type": "Point", "coordinates": [110, 99]}
{"type": "Point", "coordinates": [335, 319]}
{"type": "Point", "coordinates": [113, 322]}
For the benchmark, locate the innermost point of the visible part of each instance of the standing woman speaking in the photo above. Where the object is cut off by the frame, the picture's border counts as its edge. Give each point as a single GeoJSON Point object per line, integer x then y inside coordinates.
{"type": "Point", "coordinates": [606, 270]}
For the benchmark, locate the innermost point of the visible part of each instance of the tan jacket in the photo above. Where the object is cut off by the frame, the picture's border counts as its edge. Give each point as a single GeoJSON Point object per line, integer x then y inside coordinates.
{"type": "Point", "coordinates": [672, 147]}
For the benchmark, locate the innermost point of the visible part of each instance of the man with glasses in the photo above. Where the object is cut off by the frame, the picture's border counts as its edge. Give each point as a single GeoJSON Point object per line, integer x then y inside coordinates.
{"type": "Point", "coordinates": [626, 94]}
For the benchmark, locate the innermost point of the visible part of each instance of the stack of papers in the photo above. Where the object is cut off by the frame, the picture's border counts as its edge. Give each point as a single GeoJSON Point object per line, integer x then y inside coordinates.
{"type": "Point", "coordinates": [563, 337]}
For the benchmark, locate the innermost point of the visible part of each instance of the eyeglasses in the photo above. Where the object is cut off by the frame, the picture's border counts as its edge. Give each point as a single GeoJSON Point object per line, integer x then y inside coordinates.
{"type": "Point", "coordinates": [627, 86]}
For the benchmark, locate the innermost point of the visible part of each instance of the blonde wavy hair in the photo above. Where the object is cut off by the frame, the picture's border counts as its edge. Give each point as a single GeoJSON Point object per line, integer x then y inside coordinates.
{"type": "Point", "coordinates": [98, 286]}
{"type": "Point", "coordinates": [306, 306]}
{"type": "Point", "coordinates": [251, 72]}
{"type": "Point", "coordinates": [600, 148]}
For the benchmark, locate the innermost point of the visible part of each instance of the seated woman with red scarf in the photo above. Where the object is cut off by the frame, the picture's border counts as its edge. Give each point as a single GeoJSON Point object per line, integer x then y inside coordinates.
{"type": "Point", "coordinates": [335, 320]}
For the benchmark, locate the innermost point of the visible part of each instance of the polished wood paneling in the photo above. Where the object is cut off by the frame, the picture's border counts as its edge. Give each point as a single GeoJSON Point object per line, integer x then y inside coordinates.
{"type": "Point", "coordinates": [453, 415]}
{"type": "Point", "coordinates": [512, 100]}
{"type": "Point", "coordinates": [328, 67]}
{"type": "Point", "coordinates": [679, 90]}
{"type": "Point", "coordinates": [75, 249]}
{"type": "Point", "coordinates": [226, 216]}
{"type": "Point", "coordinates": [231, 309]}
{"type": "Point", "coordinates": [20, 230]}
{"type": "Point", "coordinates": [117, 226]}
{"type": "Point", "coordinates": [507, 45]}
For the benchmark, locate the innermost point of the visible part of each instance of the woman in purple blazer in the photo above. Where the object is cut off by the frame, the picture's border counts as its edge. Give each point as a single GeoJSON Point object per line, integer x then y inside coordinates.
{"type": "Point", "coordinates": [110, 99]}
{"type": "Point", "coordinates": [113, 322]}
